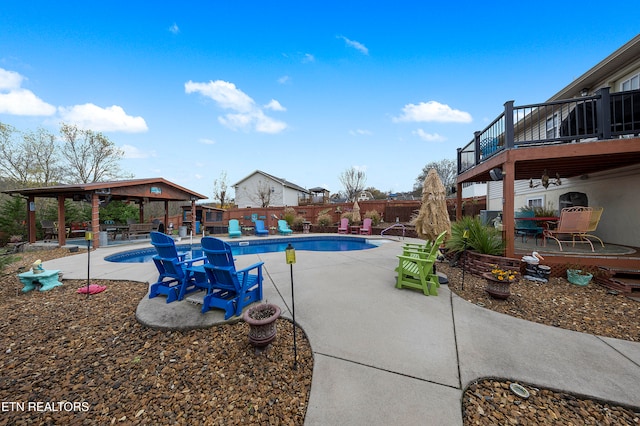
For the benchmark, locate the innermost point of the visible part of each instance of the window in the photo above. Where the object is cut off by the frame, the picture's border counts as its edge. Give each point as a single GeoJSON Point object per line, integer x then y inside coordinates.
{"type": "Point", "coordinates": [552, 127]}
{"type": "Point", "coordinates": [632, 83]}
{"type": "Point", "coordinates": [535, 202]}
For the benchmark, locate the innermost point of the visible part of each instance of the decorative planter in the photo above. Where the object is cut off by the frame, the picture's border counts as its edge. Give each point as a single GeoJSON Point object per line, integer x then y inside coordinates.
{"type": "Point", "coordinates": [496, 288]}
{"type": "Point", "coordinates": [262, 323]}
{"type": "Point", "coordinates": [577, 277]}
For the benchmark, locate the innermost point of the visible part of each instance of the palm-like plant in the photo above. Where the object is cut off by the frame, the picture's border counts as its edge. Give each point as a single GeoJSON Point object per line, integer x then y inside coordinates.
{"type": "Point", "coordinates": [481, 238]}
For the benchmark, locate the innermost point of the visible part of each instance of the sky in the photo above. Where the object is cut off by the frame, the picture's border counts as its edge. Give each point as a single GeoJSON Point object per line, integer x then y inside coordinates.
{"type": "Point", "coordinates": [302, 90]}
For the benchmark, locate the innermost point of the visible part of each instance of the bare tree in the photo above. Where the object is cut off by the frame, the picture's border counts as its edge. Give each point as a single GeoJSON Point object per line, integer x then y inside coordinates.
{"type": "Point", "coordinates": [220, 187]}
{"type": "Point", "coordinates": [13, 156]}
{"type": "Point", "coordinates": [263, 194]}
{"type": "Point", "coordinates": [92, 157]}
{"type": "Point", "coordinates": [447, 171]}
{"type": "Point", "coordinates": [46, 166]}
{"type": "Point", "coordinates": [29, 158]}
{"type": "Point", "coordinates": [353, 181]}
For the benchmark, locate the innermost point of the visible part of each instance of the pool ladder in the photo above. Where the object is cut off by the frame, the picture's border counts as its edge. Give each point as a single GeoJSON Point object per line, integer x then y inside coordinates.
{"type": "Point", "coordinates": [395, 225]}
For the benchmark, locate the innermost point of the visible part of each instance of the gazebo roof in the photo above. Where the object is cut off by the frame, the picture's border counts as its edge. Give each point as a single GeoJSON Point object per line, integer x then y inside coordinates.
{"type": "Point", "coordinates": [153, 189]}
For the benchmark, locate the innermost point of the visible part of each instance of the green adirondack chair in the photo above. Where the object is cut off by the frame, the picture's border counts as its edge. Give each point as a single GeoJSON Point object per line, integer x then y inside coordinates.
{"type": "Point", "coordinates": [415, 268]}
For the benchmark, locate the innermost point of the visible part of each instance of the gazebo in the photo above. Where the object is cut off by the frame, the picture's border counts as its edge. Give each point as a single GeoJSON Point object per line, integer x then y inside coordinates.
{"type": "Point", "coordinates": [140, 191]}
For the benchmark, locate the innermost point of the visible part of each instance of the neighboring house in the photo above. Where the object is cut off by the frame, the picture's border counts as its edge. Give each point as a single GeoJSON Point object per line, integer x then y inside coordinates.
{"type": "Point", "coordinates": [587, 134]}
{"type": "Point", "coordinates": [365, 196]}
{"type": "Point", "coordinates": [259, 189]}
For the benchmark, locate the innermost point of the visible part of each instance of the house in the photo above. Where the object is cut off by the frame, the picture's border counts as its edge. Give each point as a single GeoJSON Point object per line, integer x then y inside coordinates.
{"type": "Point", "coordinates": [587, 135]}
{"type": "Point", "coordinates": [260, 189]}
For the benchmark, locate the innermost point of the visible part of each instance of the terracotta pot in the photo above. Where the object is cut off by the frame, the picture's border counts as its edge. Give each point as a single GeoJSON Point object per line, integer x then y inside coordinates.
{"type": "Point", "coordinates": [496, 288]}
{"type": "Point", "coordinates": [262, 323]}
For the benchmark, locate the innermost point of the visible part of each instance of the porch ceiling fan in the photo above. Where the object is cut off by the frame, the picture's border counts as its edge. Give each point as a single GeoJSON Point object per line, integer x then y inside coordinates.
{"type": "Point", "coordinates": [545, 181]}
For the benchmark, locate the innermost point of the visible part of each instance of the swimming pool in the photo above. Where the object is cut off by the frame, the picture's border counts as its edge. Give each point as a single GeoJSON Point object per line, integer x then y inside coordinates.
{"type": "Point", "coordinates": [320, 243]}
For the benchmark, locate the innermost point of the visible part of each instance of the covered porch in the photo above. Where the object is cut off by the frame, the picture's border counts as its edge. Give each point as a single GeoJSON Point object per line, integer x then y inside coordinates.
{"type": "Point", "coordinates": [139, 191]}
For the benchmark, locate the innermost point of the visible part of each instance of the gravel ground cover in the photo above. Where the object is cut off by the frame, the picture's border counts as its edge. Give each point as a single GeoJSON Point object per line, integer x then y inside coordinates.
{"type": "Point", "coordinates": [86, 360]}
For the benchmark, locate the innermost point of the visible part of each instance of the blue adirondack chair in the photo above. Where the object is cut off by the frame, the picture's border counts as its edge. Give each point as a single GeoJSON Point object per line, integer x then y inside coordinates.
{"type": "Point", "coordinates": [177, 276]}
{"type": "Point", "coordinates": [227, 288]}
{"type": "Point", "coordinates": [234, 228]}
{"type": "Point", "coordinates": [260, 229]}
{"type": "Point", "coordinates": [283, 227]}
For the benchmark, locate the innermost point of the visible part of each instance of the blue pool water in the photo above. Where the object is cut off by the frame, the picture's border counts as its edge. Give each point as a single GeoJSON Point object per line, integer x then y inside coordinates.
{"type": "Point", "coordinates": [256, 246]}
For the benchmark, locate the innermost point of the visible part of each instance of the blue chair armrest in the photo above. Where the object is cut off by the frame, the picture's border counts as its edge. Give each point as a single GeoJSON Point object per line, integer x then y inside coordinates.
{"type": "Point", "coordinates": [249, 268]}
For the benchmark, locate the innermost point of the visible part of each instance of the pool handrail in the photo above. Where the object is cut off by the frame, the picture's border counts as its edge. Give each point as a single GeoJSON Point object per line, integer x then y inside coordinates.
{"type": "Point", "coordinates": [395, 225]}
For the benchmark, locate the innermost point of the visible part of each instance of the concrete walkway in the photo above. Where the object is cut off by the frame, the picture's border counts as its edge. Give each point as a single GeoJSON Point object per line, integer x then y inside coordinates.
{"type": "Point", "coordinates": [389, 356]}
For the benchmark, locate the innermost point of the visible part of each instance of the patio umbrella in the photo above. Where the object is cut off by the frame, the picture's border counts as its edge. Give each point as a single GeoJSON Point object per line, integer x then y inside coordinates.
{"type": "Point", "coordinates": [356, 213]}
{"type": "Point", "coordinates": [433, 217]}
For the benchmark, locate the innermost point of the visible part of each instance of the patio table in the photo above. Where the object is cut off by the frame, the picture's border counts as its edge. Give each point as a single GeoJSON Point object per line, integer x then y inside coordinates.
{"type": "Point", "coordinates": [47, 280]}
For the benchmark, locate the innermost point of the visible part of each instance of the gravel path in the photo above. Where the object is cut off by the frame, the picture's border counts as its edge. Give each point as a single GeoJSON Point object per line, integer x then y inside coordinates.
{"type": "Point", "coordinates": [86, 360]}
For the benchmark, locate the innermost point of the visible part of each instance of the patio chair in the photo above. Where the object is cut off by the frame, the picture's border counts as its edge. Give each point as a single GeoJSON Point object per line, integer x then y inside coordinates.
{"type": "Point", "coordinates": [227, 288]}
{"type": "Point", "coordinates": [526, 228]}
{"type": "Point", "coordinates": [416, 268]}
{"type": "Point", "coordinates": [573, 221]}
{"type": "Point", "coordinates": [283, 227]}
{"type": "Point", "coordinates": [234, 228]}
{"type": "Point", "coordinates": [49, 230]}
{"type": "Point", "coordinates": [260, 229]}
{"type": "Point", "coordinates": [366, 227]}
{"type": "Point", "coordinates": [177, 275]}
{"type": "Point", "coordinates": [596, 214]}
{"type": "Point", "coordinates": [343, 228]}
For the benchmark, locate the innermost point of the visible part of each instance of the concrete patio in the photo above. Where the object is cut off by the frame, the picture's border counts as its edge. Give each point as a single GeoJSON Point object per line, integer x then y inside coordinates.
{"type": "Point", "coordinates": [389, 356]}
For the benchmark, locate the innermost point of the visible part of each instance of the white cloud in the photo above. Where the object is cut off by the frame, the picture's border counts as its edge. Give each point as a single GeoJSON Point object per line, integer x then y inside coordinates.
{"type": "Point", "coordinates": [356, 45]}
{"type": "Point", "coordinates": [133, 152]}
{"type": "Point", "coordinates": [284, 79]}
{"type": "Point", "coordinates": [308, 58]}
{"type": "Point", "coordinates": [429, 137]}
{"type": "Point", "coordinates": [174, 28]}
{"type": "Point", "coordinates": [360, 132]}
{"type": "Point", "coordinates": [275, 106]}
{"type": "Point", "coordinates": [267, 124]}
{"type": "Point", "coordinates": [206, 141]}
{"type": "Point", "coordinates": [110, 119]}
{"type": "Point", "coordinates": [15, 100]}
{"type": "Point", "coordinates": [432, 111]}
{"type": "Point", "coordinates": [224, 93]}
{"type": "Point", "coordinates": [247, 115]}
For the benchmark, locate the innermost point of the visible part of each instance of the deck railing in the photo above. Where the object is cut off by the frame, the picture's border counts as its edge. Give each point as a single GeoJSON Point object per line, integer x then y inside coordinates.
{"type": "Point", "coordinates": [599, 117]}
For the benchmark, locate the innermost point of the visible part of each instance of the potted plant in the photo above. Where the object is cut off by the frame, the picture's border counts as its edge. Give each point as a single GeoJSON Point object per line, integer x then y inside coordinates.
{"type": "Point", "coordinates": [262, 323]}
{"type": "Point", "coordinates": [499, 282]}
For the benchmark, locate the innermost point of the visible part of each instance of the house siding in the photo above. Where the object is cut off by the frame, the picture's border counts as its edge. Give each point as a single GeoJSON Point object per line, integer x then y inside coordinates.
{"type": "Point", "coordinates": [281, 195]}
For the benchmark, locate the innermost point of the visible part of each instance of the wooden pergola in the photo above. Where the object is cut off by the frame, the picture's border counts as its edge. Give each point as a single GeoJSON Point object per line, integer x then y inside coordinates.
{"type": "Point", "coordinates": [140, 191]}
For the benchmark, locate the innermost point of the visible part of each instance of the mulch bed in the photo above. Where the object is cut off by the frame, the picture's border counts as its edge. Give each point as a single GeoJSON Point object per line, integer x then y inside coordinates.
{"type": "Point", "coordinates": [70, 358]}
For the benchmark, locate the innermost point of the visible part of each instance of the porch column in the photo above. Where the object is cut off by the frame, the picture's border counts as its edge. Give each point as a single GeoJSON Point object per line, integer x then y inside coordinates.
{"type": "Point", "coordinates": [95, 219]}
{"type": "Point", "coordinates": [62, 227]}
{"type": "Point", "coordinates": [458, 201]}
{"type": "Point", "coordinates": [508, 206]}
{"type": "Point", "coordinates": [31, 219]}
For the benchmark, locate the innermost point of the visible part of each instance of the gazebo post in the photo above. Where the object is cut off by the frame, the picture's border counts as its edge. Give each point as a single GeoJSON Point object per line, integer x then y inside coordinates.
{"type": "Point", "coordinates": [31, 219]}
{"type": "Point", "coordinates": [62, 228]}
{"type": "Point", "coordinates": [95, 219]}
